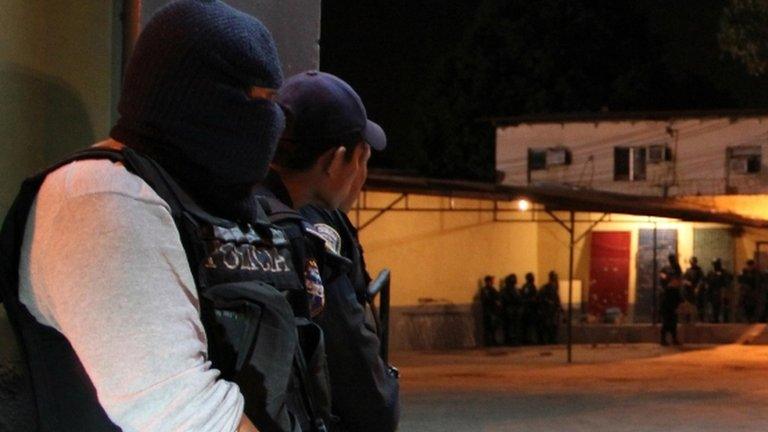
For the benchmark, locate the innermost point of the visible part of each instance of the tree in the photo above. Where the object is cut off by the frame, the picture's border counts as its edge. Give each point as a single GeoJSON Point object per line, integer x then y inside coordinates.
{"type": "Point", "coordinates": [744, 33]}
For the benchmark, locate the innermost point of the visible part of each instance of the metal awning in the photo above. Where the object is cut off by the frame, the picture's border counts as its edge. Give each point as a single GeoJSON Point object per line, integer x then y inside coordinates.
{"type": "Point", "coordinates": [627, 116]}
{"type": "Point", "coordinates": [555, 198]}
{"type": "Point", "coordinates": [560, 198]}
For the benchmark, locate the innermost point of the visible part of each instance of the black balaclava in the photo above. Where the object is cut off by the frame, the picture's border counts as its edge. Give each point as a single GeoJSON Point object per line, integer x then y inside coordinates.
{"type": "Point", "coordinates": [185, 102]}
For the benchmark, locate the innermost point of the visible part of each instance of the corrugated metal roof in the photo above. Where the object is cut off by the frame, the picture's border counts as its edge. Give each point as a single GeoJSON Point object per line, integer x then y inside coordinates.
{"type": "Point", "coordinates": [558, 197]}
{"type": "Point", "coordinates": [617, 116]}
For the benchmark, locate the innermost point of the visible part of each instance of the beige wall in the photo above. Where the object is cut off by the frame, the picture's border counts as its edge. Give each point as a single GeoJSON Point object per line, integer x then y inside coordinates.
{"type": "Point", "coordinates": [699, 147]}
{"type": "Point", "coordinates": [443, 255]}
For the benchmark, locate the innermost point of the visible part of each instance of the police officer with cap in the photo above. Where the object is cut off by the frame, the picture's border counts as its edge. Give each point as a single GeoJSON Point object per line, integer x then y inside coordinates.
{"type": "Point", "coordinates": [322, 161]}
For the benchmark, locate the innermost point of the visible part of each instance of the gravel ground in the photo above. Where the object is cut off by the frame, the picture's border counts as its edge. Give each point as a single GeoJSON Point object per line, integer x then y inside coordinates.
{"type": "Point", "coordinates": [639, 387]}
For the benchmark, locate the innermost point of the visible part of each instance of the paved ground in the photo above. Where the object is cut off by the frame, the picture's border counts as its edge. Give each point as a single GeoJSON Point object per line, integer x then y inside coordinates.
{"type": "Point", "coordinates": [639, 387]}
{"type": "Point", "coordinates": [618, 388]}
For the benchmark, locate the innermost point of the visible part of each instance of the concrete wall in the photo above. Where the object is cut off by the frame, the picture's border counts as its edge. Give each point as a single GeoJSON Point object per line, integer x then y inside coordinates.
{"type": "Point", "coordinates": [57, 60]}
{"type": "Point", "coordinates": [698, 148]}
{"type": "Point", "coordinates": [443, 255]}
{"type": "Point", "coordinates": [58, 86]}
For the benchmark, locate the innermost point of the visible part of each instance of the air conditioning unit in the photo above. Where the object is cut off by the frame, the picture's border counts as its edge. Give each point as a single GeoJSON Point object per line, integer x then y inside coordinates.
{"type": "Point", "coordinates": [745, 159]}
{"type": "Point", "coordinates": [544, 158]}
{"type": "Point", "coordinates": [739, 165]}
{"type": "Point", "coordinates": [557, 156]}
{"type": "Point", "coordinates": [659, 153]}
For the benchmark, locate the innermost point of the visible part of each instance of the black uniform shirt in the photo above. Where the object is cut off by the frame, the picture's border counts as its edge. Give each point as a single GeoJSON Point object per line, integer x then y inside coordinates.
{"type": "Point", "coordinates": [365, 393]}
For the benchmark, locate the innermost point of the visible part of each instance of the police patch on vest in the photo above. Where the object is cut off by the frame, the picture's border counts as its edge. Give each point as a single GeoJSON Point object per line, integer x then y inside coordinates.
{"type": "Point", "coordinates": [331, 237]}
{"type": "Point", "coordinates": [315, 288]}
{"type": "Point", "coordinates": [248, 257]}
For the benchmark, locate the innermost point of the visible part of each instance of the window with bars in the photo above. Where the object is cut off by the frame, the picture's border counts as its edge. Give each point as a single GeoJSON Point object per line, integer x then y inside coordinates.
{"type": "Point", "coordinates": [629, 163]}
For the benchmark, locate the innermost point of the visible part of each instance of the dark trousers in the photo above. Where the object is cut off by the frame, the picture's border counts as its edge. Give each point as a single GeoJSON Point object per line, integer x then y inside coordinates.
{"type": "Point", "coordinates": [489, 329]}
{"type": "Point", "coordinates": [716, 305]}
{"type": "Point", "coordinates": [530, 328]}
{"type": "Point", "coordinates": [701, 308]}
{"type": "Point", "coordinates": [549, 334]}
{"type": "Point", "coordinates": [512, 324]}
{"type": "Point", "coordinates": [668, 325]}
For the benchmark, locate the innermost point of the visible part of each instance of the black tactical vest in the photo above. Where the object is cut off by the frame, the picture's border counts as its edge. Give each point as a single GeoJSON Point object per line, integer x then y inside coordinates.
{"type": "Point", "coordinates": [253, 306]}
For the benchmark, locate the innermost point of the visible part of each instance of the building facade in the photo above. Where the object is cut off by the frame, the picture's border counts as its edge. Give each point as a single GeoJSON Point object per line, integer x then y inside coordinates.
{"type": "Point", "coordinates": [658, 155]}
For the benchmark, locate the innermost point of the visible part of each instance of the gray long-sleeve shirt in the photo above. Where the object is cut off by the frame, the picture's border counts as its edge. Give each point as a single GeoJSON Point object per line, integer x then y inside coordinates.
{"type": "Point", "coordinates": [102, 263]}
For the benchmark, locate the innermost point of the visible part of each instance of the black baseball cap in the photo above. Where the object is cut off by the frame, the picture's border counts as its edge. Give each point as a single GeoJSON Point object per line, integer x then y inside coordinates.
{"type": "Point", "coordinates": [322, 106]}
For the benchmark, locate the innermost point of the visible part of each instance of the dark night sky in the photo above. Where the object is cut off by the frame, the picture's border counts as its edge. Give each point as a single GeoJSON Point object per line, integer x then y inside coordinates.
{"type": "Point", "coordinates": [538, 57]}
{"type": "Point", "coordinates": [386, 51]}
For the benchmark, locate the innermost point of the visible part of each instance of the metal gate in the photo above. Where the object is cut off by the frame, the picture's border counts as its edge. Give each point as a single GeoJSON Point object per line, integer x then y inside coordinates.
{"type": "Point", "coordinates": [647, 287]}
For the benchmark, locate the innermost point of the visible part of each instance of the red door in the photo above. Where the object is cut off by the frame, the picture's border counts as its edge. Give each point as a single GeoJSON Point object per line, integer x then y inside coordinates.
{"type": "Point", "coordinates": [609, 271]}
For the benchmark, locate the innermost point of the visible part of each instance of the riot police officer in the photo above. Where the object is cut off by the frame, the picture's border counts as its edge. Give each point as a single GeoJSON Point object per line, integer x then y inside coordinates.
{"type": "Point", "coordinates": [530, 309]}
{"type": "Point", "coordinates": [671, 283]}
{"type": "Point", "coordinates": [491, 307]}
{"type": "Point", "coordinates": [694, 287]}
{"type": "Point", "coordinates": [550, 309]}
{"type": "Point", "coordinates": [750, 287]}
{"type": "Point", "coordinates": [718, 280]}
{"type": "Point", "coordinates": [511, 310]}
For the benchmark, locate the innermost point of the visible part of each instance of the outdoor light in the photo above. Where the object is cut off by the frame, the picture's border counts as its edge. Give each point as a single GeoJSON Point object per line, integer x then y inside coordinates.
{"type": "Point", "coordinates": [523, 204]}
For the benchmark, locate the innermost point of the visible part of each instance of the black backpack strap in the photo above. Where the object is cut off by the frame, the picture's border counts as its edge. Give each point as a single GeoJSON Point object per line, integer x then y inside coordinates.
{"type": "Point", "coordinates": [167, 188]}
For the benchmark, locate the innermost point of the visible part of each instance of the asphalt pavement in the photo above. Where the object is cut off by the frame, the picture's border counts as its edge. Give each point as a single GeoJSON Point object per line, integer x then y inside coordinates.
{"type": "Point", "coordinates": [617, 388]}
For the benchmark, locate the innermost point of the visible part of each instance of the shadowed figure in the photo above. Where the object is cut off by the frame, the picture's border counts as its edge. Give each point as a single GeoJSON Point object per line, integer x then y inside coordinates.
{"type": "Point", "coordinates": [489, 300]}
{"type": "Point", "coordinates": [671, 277]}
{"type": "Point", "coordinates": [530, 309]}
{"type": "Point", "coordinates": [550, 310]}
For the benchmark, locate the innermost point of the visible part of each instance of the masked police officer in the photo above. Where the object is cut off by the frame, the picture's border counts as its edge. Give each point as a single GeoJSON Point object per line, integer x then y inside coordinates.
{"type": "Point", "coordinates": [511, 304]}
{"type": "Point", "coordinates": [143, 269]}
{"type": "Point", "coordinates": [530, 307]}
{"type": "Point", "coordinates": [718, 281]}
{"type": "Point", "coordinates": [322, 161]}
{"type": "Point", "coordinates": [550, 309]}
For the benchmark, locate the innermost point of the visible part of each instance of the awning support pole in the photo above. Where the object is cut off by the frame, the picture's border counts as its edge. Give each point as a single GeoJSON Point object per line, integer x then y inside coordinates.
{"type": "Point", "coordinates": [558, 220]}
{"type": "Point", "coordinates": [654, 306]}
{"type": "Point", "coordinates": [382, 211]}
{"type": "Point", "coordinates": [591, 227]}
{"type": "Point", "coordinates": [570, 285]}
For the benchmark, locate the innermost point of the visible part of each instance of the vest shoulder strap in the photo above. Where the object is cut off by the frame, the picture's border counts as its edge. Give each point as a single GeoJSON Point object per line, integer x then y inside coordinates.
{"type": "Point", "coordinates": [277, 211]}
